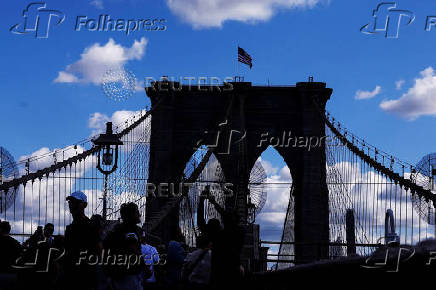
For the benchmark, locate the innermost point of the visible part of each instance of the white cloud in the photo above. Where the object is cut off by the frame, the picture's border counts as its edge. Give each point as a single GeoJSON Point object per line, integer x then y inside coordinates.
{"type": "Point", "coordinates": [212, 13]}
{"type": "Point", "coordinates": [370, 203]}
{"type": "Point", "coordinates": [97, 4]}
{"type": "Point", "coordinates": [345, 196]}
{"type": "Point", "coordinates": [399, 84]}
{"type": "Point", "coordinates": [43, 200]}
{"type": "Point", "coordinates": [274, 212]}
{"type": "Point", "coordinates": [363, 95]}
{"type": "Point", "coordinates": [268, 167]}
{"type": "Point", "coordinates": [97, 122]}
{"type": "Point", "coordinates": [97, 59]}
{"type": "Point", "coordinates": [64, 77]}
{"type": "Point", "coordinates": [362, 197]}
{"type": "Point", "coordinates": [275, 218]}
{"type": "Point", "coordinates": [44, 157]}
{"type": "Point", "coordinates": [285, 174]}
{"type": "Point", "coordinates": [121, 120]}
{"type": "Point", "coordinates": [420, 100]}
{"type": "Point", "coordinates": [139, 86]}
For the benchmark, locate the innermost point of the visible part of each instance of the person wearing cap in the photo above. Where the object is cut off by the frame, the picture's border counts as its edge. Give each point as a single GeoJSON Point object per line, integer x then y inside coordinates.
{"type": "Point", "coordinates": [80, 237]}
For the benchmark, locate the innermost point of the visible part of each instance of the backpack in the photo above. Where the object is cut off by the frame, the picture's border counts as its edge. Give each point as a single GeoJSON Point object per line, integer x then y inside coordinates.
{"type": "Point", "coordinates": [189, 267]}
{"type": "Point", "coordinates": [125, 242]}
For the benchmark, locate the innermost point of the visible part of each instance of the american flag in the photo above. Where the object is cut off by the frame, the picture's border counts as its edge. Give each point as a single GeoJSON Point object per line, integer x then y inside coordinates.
{"type": "Point", "coordinates": [244, 57]}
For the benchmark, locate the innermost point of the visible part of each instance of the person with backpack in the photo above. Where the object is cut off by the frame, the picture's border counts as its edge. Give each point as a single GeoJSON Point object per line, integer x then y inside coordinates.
{"type": "Point", "coordinates": [174, 260]}
{"type": "Point", "coordinates": [124, 264]}
{"type": "Point", "coordinates": [197, 265]}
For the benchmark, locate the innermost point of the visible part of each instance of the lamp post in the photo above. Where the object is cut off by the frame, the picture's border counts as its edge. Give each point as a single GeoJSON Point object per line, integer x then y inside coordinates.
{"type": "Point", "coordinates": [107, 157]}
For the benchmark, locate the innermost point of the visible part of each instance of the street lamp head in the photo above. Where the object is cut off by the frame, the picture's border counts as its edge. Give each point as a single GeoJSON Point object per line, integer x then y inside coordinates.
{"type": "Point", "coordinates": [109, 138]}
{"type": "Point", "coordinates": [108, 143]}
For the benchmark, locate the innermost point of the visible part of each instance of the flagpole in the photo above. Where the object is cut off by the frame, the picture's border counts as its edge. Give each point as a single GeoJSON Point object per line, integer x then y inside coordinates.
{"type": "Point", "coordinates": [237, 60]}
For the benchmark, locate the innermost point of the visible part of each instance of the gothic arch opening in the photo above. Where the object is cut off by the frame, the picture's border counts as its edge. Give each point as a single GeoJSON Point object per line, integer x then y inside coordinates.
{"type": "Point", "coordinates": [211, 181]}
{"type": "Point", "coordinates": [277, 216]}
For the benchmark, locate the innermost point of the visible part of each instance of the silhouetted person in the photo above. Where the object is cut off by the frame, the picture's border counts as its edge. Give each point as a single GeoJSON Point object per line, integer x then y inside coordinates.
{"type": "Point", "coordinates": [10, 250]}
{"type": "Point", "coordinates": [42, 254]}
{"type": "Point", "coordinates": [159, 270]}
{"type": "Point", "coordinates": [98, 223]}
{"type": "Point", "coordinates": [175, 257]}
{"type": "Point", "coordinates": [196, 269]}
{"type": "Point", "coordinates": [151, 258]}
{"type": "Point", "coordinates": [125, 241]}
{"type": "Point", "coordinates": [48, 234]}
{"type": "Point", "coordinates": [38, 245]}
{"type": "Point", "coordinates": [33, 240]}
{"type": "Point", "coordinates": [226, 248]}
{"type": "Point", "coordinates": [81, 242]}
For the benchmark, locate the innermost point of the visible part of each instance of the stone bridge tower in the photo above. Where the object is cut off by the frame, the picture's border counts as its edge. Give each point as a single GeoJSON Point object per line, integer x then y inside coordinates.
{"type": "Point", "coordinates": [185, 113]}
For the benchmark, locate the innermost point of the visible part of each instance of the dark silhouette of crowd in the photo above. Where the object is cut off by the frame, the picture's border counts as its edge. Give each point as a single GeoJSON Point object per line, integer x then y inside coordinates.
{"type": "Point", "coordinates": [97, 254]}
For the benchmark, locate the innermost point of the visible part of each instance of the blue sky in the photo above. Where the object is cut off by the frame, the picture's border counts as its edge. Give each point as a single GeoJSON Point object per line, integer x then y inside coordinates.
{"type": "Point", "coordinates": [289, 40]}
{"type": "Point", "coordinates": [292, 44]}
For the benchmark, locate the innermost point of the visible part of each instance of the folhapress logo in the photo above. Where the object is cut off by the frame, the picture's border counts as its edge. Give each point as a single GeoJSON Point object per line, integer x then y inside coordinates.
{"type": "Point", "coordinates": [388, 20]}
{"type": "Point", "coordinates": [37, 20]}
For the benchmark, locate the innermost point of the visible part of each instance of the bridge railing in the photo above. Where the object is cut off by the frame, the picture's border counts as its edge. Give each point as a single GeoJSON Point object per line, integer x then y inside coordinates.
{"type": "Point", "coordinates": [336, 251]}
{"type": "Point", "coordinates": [371, 183]}
{"type": "Point", "coordinates": [36, 193]}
